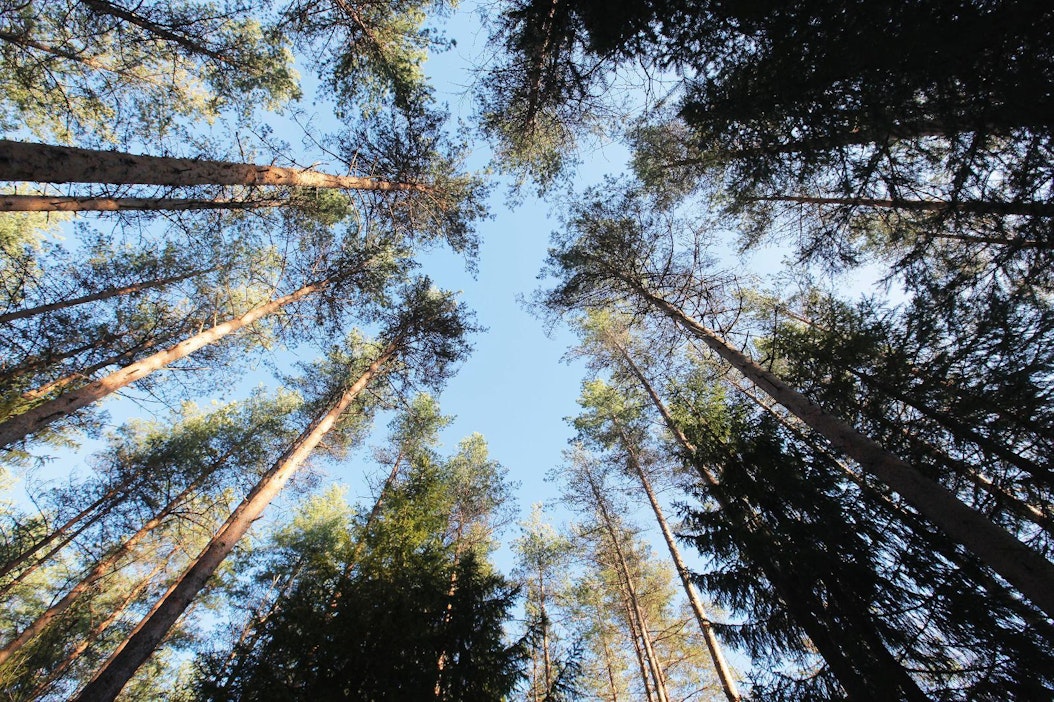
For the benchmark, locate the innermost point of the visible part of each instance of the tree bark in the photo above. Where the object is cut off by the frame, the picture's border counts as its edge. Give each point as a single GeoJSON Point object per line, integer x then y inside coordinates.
{"type": "Point", "coordinates": [97, 631]}
{"type": "Point", "coordinates": [55, 203]}
{"type": "Point", "coordinates": [45, 163]}
{"type": "Point", "coordinates": [101, 295]}
{"type": "Point", "coordinates": [141, 642]}
{"type": "Point", "coordinates": [638, 613]}
{"type": "Point", "coordinates": [1026, 570]}
{"type": "Point", "coordinates": [101, 568]}
{"type": "Point", "coordinates": [724, 674]}
{"type": "Point", "coordinates": [20, 426]}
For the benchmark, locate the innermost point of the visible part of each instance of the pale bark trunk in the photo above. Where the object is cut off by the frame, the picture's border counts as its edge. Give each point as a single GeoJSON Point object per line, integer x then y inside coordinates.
{"type": "Point", "coordinates": [97, 631]}
{"type": "Point", "coordinates": [45, 163]}
{"type": "Point", "coordinates": [634, 635]}
{"type": "Point", "coordinates": [101, 295]}
{"type": "Point", "coordinates": [54, 203]}
{"type": "Point", "coordinates": [100, 570]}
{"type": "Point", "coordinates": [140, 644]}
{"type": "Point", "coordinates": [1034, 209]}
{"type": "Point", "coordinates": [86, 373]}
{"type": "Point", "coordinates": [724, 674]}
{"type": "Point", "coordinates": [35, 364]}
{"type": "Point", "coordinates": [1028, 571]}
{"type": "Point", "coordinates": [631, 590]}
{"type": "Point", "coordinates": [22, 425]}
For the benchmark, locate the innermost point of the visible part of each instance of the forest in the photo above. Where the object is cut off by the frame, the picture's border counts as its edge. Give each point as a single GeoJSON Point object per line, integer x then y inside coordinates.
{"type": "Point", "coordinates": [808, 306]}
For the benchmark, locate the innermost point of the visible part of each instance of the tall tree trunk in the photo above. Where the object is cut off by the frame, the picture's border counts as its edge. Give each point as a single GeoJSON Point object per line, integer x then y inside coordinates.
{"type": "Point", "coordinates": [98, 630]}
{"type": "Point", "coordinates": [795, 596]}
{"type": "Point", "coordinates": [623, 570]}
{"type": "Point", "coordinates": [101, 295]}
{"type": "Point", "coordinates": [86, 373]}
{"type": "Point", "coordinates": [635, 637]}
{"type": "Point", "coordinates": [93, 510]}
{"type": "Point", "coordinates": [55, 203]}
{"type": "Point", "coordinates": [39, 362]}
{"type": "Point", "coordinates": [724, 674]}
{"type": "Point", "coordinates": [45, 163]}
{"type": "Point", "coordinates": [1028, 571]}
{"type": "Point", "coordinates": [141, 642]}
{"type": "Point", "coordinates": [1019, 507]}
{"type": "Point", "coordinates": [102, 568]}
{"type": "Point", "coordinates": [1033, 209]}
{"type": "Point", "coordinates": [33, 420]}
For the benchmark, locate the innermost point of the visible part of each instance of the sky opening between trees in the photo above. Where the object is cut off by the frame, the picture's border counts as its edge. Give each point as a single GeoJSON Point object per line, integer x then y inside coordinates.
{"type": "Point", "coordinates": [533, 350]}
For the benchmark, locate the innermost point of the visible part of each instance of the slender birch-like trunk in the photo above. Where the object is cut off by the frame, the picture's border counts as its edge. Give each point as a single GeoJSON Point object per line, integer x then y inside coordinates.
{"type": "Point", "coordinates": [724, 674]}
{"type": "Point", "coordinates": [1026, 570]}
{"type": "Point", "coordinates": [144, 638]}
{"type": "Point", "coordinates": [20, 426]}
{"type": "Point", "coordinates": [46, 163]}
{"type": "Point", "coordinates": [631, 591]}
{"type": "Point", "coordinates": [101, 295]}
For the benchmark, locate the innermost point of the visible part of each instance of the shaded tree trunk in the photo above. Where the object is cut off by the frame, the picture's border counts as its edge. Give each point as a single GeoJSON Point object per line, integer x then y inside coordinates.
{"type": "Point", "coordinates": [141, 642]}
{"type": "Point", "coordinates": [1028, 571]}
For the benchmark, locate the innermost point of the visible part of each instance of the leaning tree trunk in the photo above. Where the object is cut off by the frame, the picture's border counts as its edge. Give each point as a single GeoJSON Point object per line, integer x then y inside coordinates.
{"type": "Point", "coordinates": [795, 596]}
{"type": "Point", "coordinates": [55, 203]}
{"type": "Point", "coordinates": [724, 674]}
{"type": "Point", "coordinates": [1028, 571]}
{"type": "Point", "coordinates": [34, 420]}
{"type": "Point", "coordinates": [93, 510]}
{"type": "Point", "coordinates": [141, 642]}
{"type": "Point", "coordinates": [631, 592]}
{"type": "Point", "coordinates": [98, 630]}
{"type": "Point", "coordinates": [102, 567]}
{"type": "Point", "coordinates": [44, 163]}
{"type": "Point", "coordinates": [101, 295]}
